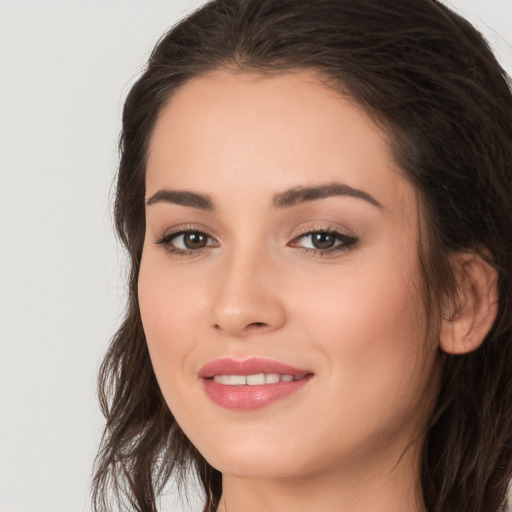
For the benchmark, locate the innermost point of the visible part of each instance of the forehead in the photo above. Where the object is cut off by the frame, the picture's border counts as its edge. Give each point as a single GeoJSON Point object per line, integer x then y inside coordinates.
{"type": "Point", "coordinates": [241, 133]}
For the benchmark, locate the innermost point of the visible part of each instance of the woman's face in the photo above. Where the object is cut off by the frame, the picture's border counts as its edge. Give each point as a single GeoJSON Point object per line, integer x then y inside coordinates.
{"type": "Point", "coordinates": [281, 244]}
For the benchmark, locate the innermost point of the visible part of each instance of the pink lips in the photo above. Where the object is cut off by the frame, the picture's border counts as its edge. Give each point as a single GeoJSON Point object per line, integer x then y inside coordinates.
{"type": "Point", "coordinates": [248, 397]}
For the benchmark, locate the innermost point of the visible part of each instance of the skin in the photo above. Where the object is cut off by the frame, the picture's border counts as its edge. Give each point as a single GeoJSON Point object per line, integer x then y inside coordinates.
{"type": "Point", "coordinates": [349, 439]}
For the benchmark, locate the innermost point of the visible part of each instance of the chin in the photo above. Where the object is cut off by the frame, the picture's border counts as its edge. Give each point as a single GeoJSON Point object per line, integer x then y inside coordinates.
{"type": "Point", "coordinates": [253, 458]}
{"type": "Point", "coordinates": [256, 466]}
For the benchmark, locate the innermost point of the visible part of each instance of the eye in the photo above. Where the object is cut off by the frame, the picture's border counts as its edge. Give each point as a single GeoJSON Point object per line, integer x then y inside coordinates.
{"type": "Point", "coordinates": [190, 240]}
{"type": "Point", "coordinates": [320, 240]}
{"type": "Point", "coordinates": [186, 242]}
{"type": "Point", "coordinates": [324, 241]}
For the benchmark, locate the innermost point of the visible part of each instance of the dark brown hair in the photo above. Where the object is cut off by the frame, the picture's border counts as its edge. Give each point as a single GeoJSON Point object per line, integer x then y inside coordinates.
{"type": "Point", "coordinates": [427, 77]}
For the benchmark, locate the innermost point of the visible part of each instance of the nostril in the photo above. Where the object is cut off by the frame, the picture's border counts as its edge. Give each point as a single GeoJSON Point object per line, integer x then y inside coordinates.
{"type": "Point", "coordinates": [243, 329]}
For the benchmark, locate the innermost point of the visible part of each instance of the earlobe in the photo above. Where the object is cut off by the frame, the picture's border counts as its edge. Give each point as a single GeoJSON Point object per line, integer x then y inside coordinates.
{"type": "Point", "coordinates": [467, 321]}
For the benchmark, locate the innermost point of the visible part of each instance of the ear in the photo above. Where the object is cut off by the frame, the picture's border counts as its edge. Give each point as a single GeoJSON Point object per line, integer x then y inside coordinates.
{"type": "Point", "coordinates": [468, 319]}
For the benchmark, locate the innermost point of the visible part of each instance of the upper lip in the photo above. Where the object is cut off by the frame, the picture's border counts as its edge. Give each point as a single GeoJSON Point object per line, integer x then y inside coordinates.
{"type": "Point", "coordinates": [252, 366]}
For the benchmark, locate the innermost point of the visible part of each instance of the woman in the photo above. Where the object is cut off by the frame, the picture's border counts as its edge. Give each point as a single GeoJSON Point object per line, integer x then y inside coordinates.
{"type": "Point", "coordinates": [315, 199]}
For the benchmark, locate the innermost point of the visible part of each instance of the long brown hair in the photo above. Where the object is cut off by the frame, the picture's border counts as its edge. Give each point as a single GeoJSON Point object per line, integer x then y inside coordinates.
{"type": "Point", "coordinates": [428, 78]}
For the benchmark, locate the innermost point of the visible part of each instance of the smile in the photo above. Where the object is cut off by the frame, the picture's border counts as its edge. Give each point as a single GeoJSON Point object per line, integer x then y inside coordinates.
{"type": "Point", "coordinates": [256, 379]}
{"type": "Point", "coordinates": [252, 383]}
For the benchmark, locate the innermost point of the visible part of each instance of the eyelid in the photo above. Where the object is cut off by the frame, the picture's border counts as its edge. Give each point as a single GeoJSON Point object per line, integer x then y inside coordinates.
{"type": "Point", "coordinates": [184, 228]}
{"type": "Point", "coordinates": [320, 226]}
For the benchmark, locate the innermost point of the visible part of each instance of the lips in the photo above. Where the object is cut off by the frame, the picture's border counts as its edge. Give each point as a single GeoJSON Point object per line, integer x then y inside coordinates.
{"type": "Point", "coordinates": [251, 383]}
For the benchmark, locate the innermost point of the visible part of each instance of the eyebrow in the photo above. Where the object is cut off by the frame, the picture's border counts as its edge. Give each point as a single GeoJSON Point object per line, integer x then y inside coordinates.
{"type": "Point", "coordinates": [285, 199]}
{"type": "Point", "coordinates": [299, 195]}
{"type": "Point", "coordinates": [182, 198]}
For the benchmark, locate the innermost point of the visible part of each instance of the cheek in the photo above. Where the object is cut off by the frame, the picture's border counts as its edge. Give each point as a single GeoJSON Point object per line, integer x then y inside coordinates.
{"type": "Point", "coordinates": [170, 310]}
{"type": "Point", "coordinates": [169, 314]}
{"type": "Point", "coordinates": [370, 326]}
{"type": "Point", "coordinates": [371, 300]}
{"type": "Point", "coordinates": [370, 330]}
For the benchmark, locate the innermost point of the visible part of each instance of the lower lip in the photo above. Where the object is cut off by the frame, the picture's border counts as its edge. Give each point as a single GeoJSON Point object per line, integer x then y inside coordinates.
{"type": "Point", "coordinates": [248, 398]}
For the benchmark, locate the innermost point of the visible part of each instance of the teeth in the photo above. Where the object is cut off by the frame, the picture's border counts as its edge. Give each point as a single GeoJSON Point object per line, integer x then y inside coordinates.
{"type": "Point", "coordinates": [237, 380]}
{"type": "Point", "coordinates": [222, 379]}
{"type": "Point", "coordinates": [272, 378]}
{"type": "Point", "coordinates": [252, 380]}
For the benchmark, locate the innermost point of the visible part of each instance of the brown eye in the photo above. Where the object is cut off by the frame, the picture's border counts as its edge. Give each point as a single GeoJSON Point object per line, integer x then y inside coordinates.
{"type": "Point", "coordinates": [323, 240]}
{"type": "Point", "coordinates": [194, 240]}
{"type": "Point", "coordinates": [186, 242]}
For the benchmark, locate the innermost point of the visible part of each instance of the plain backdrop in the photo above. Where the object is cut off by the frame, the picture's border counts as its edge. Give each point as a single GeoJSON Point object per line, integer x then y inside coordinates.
{"type": "Point", "coordinates": [65, 68]}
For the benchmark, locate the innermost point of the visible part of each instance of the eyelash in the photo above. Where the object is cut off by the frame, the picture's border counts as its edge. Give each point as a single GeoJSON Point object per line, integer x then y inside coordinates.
{"type": "Point", "coordinates": [344, 242]}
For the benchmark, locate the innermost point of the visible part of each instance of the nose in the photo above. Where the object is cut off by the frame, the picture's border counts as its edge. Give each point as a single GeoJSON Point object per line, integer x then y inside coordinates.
{"type": "Point", "coordinates": [247, 299]}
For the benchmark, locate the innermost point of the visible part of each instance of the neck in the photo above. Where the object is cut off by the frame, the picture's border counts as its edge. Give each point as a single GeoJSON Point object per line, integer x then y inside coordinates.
{"type": "Point", "coordinates": [381, 488]}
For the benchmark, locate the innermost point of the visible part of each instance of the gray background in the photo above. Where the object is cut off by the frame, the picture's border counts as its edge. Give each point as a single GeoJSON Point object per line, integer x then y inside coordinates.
{"type": "Point", "coordinates": [65, 67]}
